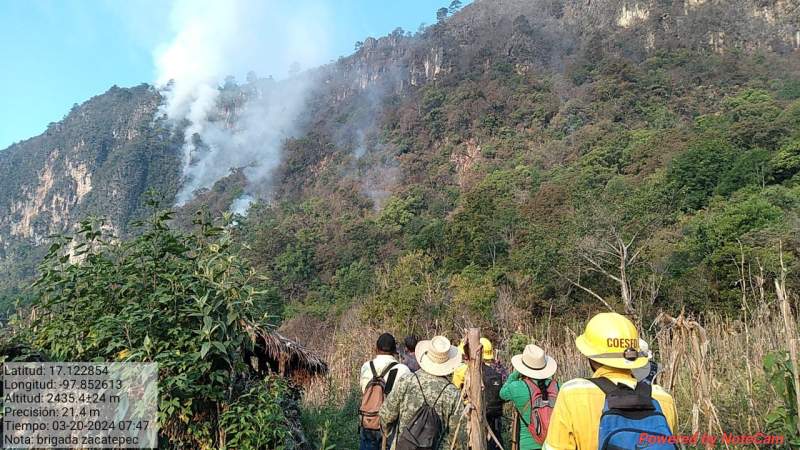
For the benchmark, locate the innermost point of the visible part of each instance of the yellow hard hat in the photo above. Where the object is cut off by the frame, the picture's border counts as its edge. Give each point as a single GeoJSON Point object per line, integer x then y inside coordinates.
{"type": "Point", "coordinates": [612, 340]}
{"type": "Point", "coordinates": [488, 350]}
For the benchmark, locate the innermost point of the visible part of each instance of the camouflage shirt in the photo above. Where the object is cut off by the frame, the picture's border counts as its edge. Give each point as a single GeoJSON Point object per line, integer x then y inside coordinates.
{"type": "Point", "coordinates": [407, 397]}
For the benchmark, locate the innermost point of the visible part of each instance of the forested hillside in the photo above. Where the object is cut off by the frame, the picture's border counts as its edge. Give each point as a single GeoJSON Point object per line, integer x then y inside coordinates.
{"type": "Point", "coordinates": [528, 167]}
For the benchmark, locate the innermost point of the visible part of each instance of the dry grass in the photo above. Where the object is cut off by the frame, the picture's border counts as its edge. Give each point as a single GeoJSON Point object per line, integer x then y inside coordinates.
{"type": "Point", "coordinates": [713, 366]}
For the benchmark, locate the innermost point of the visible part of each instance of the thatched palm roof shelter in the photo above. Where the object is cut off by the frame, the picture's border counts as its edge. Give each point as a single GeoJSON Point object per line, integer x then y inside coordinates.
{"type": "Point", "coordinates": [275, 353]}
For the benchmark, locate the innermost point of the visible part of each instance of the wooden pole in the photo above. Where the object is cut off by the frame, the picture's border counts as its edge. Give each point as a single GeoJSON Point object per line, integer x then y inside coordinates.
{"type": "Point", "coordinates": [474, 389]}
{"type": "Point", "coordinates": [515, 429]}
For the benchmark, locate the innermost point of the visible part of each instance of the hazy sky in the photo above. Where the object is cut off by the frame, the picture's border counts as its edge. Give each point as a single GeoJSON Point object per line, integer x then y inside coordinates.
{"type": "Point", "coordinates": [59, 52]}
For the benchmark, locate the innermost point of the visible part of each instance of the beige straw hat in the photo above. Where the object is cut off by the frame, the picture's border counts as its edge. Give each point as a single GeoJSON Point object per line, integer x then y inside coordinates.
{"type": "Point", "coordinates": [534, 363]}
{"type": "Point", "coordinates": [437, 356]}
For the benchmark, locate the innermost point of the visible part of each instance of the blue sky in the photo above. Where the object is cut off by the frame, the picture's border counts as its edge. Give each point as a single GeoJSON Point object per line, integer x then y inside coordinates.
{"type": "Point", "coordinates": [59, 52]}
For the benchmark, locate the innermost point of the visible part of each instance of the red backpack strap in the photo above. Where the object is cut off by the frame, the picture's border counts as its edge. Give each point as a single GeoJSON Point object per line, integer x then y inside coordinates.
{"type": "Point", "coordinates": [528, 384]}
{"type": "Point", "coordinates": [552, 391]}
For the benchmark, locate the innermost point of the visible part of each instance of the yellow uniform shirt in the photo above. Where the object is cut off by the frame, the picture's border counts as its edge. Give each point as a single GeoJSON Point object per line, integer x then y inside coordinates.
{"type": "Point", "coordinates": [460, 375]}
{"type": "Point", "coordinates": [575, 424]}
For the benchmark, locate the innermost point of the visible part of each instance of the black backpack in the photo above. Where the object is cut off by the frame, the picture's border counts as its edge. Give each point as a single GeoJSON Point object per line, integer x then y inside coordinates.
{"type": "Point", "coordinates": [424, 432]}
{"type": "Point", "coordinates": [492, 383]}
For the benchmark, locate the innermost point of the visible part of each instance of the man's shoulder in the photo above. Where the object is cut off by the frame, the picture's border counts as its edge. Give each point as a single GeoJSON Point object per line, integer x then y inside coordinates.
{"type": "Point", "coordinates": [582, 386]}
{"type": "Point", "coordinates": [661, 394]}
{"type": "Point", "coordinates": [577, 384]}
{"type": "Point", "coordinates": [434, 383]}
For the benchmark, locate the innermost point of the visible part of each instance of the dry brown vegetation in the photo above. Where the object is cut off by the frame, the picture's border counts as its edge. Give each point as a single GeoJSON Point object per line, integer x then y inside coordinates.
{"type": "Point", "coordinates": [712, 365]}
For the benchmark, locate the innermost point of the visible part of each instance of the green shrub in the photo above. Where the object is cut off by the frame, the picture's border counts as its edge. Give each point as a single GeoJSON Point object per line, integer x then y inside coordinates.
{"type": "Point", "coordinates": [783, 419]}
{"type": "Point", "coordinates": [184, 301]}
{"type": "Point", "coordinates": [256, 419]}
{"type": "Point", "coordinates": [694, 175]}
{"type": "Point", "coordinates": [332, 426]}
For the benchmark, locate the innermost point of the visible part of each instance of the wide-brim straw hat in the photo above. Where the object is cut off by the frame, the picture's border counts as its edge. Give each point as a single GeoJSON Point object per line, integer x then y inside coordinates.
{"type": "Point", "coordinates": [437, 356]}
{"type": "Point", "coordinates": [534, 363]}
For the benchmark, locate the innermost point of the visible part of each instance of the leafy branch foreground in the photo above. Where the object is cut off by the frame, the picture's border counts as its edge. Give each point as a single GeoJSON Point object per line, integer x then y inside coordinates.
{"type": "Point", "coordinates": [184, 301]}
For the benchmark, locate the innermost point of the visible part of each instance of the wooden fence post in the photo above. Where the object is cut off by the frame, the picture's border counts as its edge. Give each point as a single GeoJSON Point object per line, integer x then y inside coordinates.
{"type": "Point", "coordinates": [477, 417]}
{"type": "Point", "coordinates": [515, 429]}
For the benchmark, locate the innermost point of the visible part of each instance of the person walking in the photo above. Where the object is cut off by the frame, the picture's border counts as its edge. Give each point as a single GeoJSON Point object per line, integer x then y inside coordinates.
{"type": "Point", "coordinates": [377, 380]}
{"type": "Point", "coordinates": [494, 376]}
{"type": "Point", "coordinates": [489, 359]}
{"type": "Point", "coordinates": [426, 407]}
{"type": "Point", "coordinates": [410, 358]}
{"type": "Point", "coordinates": [533, 390]}
{"type": "Point", "coordinates": [611, 407]}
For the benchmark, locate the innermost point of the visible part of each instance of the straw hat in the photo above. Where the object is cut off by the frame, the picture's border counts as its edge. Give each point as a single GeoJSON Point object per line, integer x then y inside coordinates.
{"type": "Point", "coordinates": [437, 356]}
{"type": "Point", "coordinates": [534, 363]}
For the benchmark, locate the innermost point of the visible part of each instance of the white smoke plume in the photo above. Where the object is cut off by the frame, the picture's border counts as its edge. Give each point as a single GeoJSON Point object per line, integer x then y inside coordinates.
{"type": "Point", "coordinates": [217, 38]}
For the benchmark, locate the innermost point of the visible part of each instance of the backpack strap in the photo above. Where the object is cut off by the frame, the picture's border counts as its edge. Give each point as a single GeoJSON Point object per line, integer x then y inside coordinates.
{"type": "Point", "coordinates": [390, 381]}
{"type": "Point", "coordinates": [422, 391]}
{"type": "Point", "coordinates": [372, 368]}
{"type": "Point", "coordinates": [441, 392]}
{"type": "Point", "coordinates": [385, 369]}
{"type": "Point", "coordinates": [633, 403]}
{"type": "Point", "coordinates": [528, 384]}
{"type": "Point", "coordinates": [605, 385]}
{"type": "Point", "coordinates": [644, 389]}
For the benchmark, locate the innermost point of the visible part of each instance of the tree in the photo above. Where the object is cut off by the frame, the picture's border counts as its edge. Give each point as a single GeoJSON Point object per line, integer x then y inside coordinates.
{"type": "Point", "coordinates": [486, 226]}
{"type": "Point", "coordinates": [441, 14]}
{"type": "Point", "coordinates": [455, 5]}
{"type": "Point", "coordinates": [786, 163]}
{"type": "Point", "coordinates": [358, 45]}
{"type": "Point", "coordinates": [753, 115]}
{"type": "Point", "coordinates": [407, 292]}
{"type": "Point", "coordinates": [694, 175]}
{"type": "Point", "coordinates": [615, 226]}
{"type": "Point", "coordinates": [397, 33]}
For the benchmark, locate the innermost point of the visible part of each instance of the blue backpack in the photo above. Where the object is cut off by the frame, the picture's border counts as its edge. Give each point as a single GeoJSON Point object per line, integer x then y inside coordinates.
{"type": "Point", "coordinates": [627, 414]}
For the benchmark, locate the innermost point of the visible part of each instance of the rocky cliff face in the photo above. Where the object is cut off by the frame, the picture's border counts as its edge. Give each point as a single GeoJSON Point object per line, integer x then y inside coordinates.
{"type": "Point", "coordinates": [550, 32]}
{"type": "Point", "coordinates": [99, 159]}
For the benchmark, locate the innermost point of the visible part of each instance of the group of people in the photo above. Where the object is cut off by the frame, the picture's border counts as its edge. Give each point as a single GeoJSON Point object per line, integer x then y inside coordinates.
{"type": "Point", "coordinates": [415, 400]}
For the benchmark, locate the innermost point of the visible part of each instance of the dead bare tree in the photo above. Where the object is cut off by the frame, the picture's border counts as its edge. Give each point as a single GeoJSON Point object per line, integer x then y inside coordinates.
{"type": "Point", "coordinates": [616, 235]}
{"type": "Point", "coordinates": [614, 251]}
